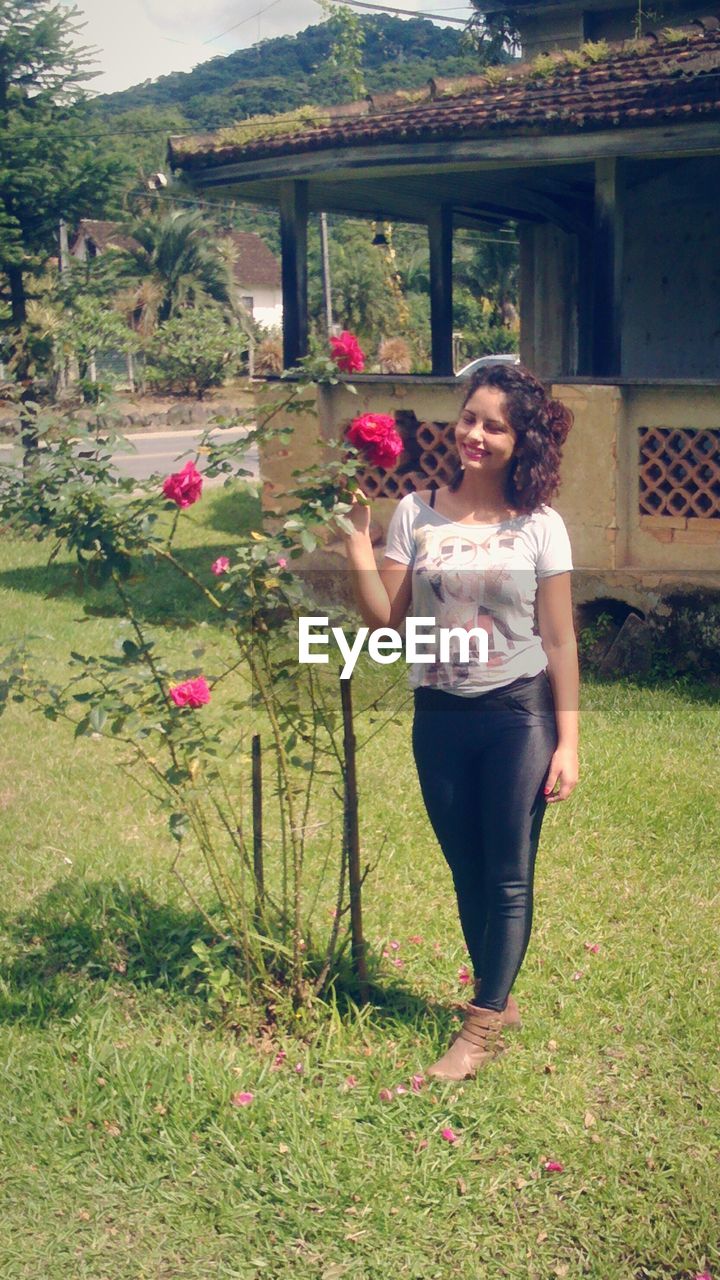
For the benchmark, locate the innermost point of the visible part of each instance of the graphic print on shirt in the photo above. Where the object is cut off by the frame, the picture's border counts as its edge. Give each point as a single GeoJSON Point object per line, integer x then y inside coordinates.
{"type": "Point", "coordinates": [470, 575]}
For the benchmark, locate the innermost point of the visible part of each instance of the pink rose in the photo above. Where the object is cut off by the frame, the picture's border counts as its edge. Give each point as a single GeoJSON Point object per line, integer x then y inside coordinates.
{"type": "Point", "coordinates": [184, 487]}
{"type": "Point", "coordinates": [221, 565]}
{"type": "Point", "coordinates": [191, 693]}
{"type": "Point", "coordinates": [347, 353]}
{"type": "Point", "coordinates": [376, 435]}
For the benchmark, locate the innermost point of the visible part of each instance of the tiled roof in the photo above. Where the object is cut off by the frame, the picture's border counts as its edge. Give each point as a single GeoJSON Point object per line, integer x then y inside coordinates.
{"type": "Point", "coordinates": [255, 264]}
{"type": "Point", "coordinates": [104, 235]}
{"type": "Point", "coordinates": [670, 76]}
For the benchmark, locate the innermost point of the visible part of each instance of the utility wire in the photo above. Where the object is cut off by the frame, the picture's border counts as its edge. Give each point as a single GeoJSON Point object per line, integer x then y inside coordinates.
{"type": "Point", "coordinates": [242, 22]}
{"type": "Point", "coordinates": [209, 205]}
{"type": "Point", "coordinates": [406, 13]}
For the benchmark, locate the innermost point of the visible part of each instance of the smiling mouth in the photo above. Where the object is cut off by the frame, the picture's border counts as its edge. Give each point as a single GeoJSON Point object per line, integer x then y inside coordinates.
{"type": "Point", "coordinates": [476, 453]}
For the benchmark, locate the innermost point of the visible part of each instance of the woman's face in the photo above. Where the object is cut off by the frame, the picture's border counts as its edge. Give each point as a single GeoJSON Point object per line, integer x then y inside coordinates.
{"type": "Point", "coordinates": [484, 438]}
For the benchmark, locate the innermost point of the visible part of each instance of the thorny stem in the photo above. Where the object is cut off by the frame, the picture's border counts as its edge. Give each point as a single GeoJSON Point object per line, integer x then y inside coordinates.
{"type": "Point", "coordinates": [269, 703]}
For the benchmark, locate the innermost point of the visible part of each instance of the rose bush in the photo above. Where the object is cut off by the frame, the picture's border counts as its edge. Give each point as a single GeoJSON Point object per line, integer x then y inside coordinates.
{"type": "Point", "coordinates": [195, 765]}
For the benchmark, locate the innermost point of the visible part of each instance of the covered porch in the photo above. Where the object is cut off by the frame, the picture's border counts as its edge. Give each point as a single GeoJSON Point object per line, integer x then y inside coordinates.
{"type": "Point", "coordinates": [608, 170]}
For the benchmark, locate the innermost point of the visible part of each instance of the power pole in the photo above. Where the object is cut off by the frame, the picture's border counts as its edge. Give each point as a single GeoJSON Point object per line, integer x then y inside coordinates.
{"type": "Point", "coordinates": [326, 282]}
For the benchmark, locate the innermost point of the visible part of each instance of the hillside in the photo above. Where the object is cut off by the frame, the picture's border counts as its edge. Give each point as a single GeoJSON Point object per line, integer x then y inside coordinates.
{"type": "Point", "coordinates": [290, 71]}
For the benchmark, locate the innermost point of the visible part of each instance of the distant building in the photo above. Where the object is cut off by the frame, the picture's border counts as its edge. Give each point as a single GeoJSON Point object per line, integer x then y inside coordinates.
{"type": "Point", "coordinates": [93, 236]}
{"type": "Point", "coordinates": [257, 272]}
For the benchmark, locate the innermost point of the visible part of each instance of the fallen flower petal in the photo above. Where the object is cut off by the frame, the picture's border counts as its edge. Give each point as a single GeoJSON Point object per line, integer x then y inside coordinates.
{"type": "Point", "coordinates": [400, 1088]}
{"type": "Point", "coordinates": [554, 1166]}
{"type": "Point", "coordinates": [350, 1082]}
{"type": "Point", "coordinates": [463, 973]}
{"type": "Point", "coordinates": [416, 938]}
{"type": "Point", "coordinates": [241, 1099]}
{"type": "Point", "coordinates": [385, 1095]}
{"type": "Point", "coordinates": [299, 1068]}
{"type": "Point", "coordinates": [282, 562]}
{"type": "Point", "coordinates": [449, 1135]}
{"type": "Point", "coordinates": [417, 1083]}
{"type": "Point", "coordinates": [395, 946]}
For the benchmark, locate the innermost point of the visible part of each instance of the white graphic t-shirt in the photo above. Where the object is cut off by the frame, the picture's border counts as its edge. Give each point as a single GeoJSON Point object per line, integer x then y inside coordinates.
{"type": "Point", "coordinates": [478, 576]}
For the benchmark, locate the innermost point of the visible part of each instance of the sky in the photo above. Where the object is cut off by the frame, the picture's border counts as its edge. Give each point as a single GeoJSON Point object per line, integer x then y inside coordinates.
{"type": "Point", "coordinates": [139, 40]}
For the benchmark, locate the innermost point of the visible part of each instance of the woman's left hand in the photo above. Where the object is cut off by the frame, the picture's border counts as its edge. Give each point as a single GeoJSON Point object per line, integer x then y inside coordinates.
{"type": "Point", "coordinates": [564, 769]}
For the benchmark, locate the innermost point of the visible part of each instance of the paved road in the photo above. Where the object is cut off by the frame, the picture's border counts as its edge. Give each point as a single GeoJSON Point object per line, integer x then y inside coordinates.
{"type": "Point", "coordinates": [166, 451]}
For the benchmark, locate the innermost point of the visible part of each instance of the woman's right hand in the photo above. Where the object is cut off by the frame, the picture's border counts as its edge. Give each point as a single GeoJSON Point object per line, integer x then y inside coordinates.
{"type": "Point", "coordinates": [358, 515]}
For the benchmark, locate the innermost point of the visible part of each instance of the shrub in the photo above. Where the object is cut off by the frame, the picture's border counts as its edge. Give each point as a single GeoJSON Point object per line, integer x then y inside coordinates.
{"type": "Point", "coordinates": [193, 351]}
{"type": "Point", "coordinates": [269, 356]}
{"type": "Point", "coordinates": [689, 635]}
{"type": "Point", "coordinates": [394, 356]}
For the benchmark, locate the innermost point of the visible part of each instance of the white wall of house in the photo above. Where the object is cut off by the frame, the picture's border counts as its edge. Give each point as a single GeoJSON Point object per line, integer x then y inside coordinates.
{"type": "Point", "coordinates": [266, 304]}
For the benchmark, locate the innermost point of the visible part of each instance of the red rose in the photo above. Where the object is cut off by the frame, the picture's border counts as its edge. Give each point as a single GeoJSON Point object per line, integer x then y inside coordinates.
{"type": "Point", "coordinates": [376, 435]}
{"type": "Point", "coordinates": [192, 693]}
{"type": "Point", "coordinates": [347, 353]}
{"type": "Point", "coordinates": [184, 487]}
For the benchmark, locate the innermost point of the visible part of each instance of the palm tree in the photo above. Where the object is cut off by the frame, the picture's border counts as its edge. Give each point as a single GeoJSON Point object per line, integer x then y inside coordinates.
{"type": "Point", "coordinates": [188, 265]}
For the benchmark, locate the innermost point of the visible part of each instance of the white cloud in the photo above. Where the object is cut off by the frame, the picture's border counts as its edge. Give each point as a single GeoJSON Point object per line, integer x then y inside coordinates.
{"type": "Point", "coordinates": [142, 39]}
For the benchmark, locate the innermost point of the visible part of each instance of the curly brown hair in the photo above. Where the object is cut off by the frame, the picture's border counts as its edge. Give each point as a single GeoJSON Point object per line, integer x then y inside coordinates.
{"type": "Point", "coordinates": [542, 425]}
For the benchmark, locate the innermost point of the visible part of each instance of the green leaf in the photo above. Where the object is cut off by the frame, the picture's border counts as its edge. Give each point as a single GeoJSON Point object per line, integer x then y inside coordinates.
{"type": "Point", "coordinates": [98, 716]}
{"type": "Point", "coordinates": [179, 826]}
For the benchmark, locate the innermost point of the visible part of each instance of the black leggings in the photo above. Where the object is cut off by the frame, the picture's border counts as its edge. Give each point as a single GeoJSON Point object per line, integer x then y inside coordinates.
{"type": "Point", "coordinates": [482, 763]}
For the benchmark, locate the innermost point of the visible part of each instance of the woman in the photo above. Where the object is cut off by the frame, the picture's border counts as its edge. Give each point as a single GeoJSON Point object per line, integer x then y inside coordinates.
{"type": "Point", "coordinates": [495, 730]}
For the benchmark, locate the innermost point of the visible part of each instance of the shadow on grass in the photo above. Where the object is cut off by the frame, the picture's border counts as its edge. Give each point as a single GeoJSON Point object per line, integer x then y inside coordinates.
{"type": "Point", "coordinates": [82, 931]}
{"type": "Point", "coordinates": [106, 930]}
{"type": "Point", "coordinates": [235, 511]}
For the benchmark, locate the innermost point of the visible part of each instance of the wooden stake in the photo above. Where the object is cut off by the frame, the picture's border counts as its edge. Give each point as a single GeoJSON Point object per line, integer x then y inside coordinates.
{"type": "Point", "coordinates": [352, 842]}
{"type": "Point", "coordinates": [258, 868]}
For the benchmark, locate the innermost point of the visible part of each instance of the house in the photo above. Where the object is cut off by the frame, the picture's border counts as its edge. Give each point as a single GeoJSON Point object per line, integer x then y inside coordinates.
{"type": "Point", "coordinates": [93, 237]}
{"type": "Point", "coordinates": [603, 148]}
{"type": "Point", "coordinates": [257, 272]}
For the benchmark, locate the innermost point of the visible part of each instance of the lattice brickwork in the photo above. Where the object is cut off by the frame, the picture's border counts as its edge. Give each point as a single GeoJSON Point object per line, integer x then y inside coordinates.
{"type": "Point", "coordinates": [679, 472]}
{"type": "Point", "coordinates": [429, 459]}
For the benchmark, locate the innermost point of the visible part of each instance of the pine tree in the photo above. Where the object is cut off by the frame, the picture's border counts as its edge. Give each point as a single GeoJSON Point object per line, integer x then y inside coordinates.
{"type": "Point", "coordinates": [53, 163]}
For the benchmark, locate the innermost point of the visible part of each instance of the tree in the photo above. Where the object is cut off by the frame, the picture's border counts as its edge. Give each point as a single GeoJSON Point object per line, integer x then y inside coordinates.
{"type": "Point", "coordinates": [496, 35]}
{"type": "Point", "coordinates": [51, 165]}
{"type": "Point", "coordinates": [189, 266]}
{"type": "Point", "coordinates": [364, 299]}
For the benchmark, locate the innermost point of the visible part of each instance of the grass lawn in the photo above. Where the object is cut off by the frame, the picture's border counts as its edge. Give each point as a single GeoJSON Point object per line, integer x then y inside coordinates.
{"type": "Point", "coordinates": [123, 1156]}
